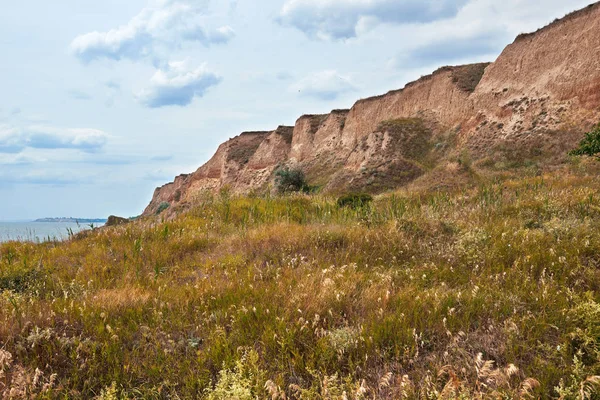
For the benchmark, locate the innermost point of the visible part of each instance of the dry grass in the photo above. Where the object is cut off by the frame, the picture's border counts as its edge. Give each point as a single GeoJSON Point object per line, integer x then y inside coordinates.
{"type": "Point", "coordinates": [122, 298]}
{"type": "Point", "coordinates": [476, 293]}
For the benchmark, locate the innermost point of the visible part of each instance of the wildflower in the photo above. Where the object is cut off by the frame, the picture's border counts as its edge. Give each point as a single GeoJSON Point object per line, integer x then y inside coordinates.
{"type": "Point", "coordinates": [37, 376]}
{"type": "Point", "coordinates": [5, 360]}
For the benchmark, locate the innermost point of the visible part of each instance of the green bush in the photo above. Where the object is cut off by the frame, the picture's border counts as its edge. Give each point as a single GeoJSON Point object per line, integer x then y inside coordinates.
{"type": "Point", "coordinates": [162, 207]}
{"type": "Point", "coordinates": [113, 220]}
{"type": "Point", "coordinates": [290, 181]}
{"type": "Point", "coordinates": [19, 281]}
{"type": "Point", "coordinates": [590, 145]}
{"type": "Point", "coordinates": [354, 200]}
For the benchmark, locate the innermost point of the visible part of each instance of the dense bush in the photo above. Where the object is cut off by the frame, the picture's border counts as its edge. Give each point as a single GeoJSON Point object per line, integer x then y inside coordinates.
{"type": "Point", "coordinates": [162, 207]}
{"type": "Point", "coordinates": [113, 220]}
{"type": "Point", "coordinates": [354, 200]}
{"type": "Point", "coordinates": [590, 145]}
{"type": "Point", "coordinates": [290, 181]}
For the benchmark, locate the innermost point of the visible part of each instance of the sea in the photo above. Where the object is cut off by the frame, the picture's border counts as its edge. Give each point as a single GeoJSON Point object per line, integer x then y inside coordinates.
{"type": "Point", "coordinates": [39, 231]}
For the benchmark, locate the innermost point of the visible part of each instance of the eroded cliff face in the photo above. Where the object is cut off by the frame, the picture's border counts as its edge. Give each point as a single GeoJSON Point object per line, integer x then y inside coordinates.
{"type": "Point", "coordinates": [229, 161]}
{"type": "Point", "coordinates": [443, 95]}
{"type": "Point", "coordinates": [542, 92]}
{"type": "Point", "coordinates": [535, 101]}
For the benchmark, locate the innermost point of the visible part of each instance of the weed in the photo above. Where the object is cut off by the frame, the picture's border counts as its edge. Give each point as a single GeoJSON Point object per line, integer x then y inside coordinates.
{"type": "Point", "coordinates": [354, 200]}
{"type": "Point", "coordinates": [476, 292]}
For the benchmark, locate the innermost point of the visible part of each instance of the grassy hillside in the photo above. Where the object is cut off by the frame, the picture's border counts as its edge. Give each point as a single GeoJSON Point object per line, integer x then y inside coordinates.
{"type": "Point", "coordinates": [486, 292]}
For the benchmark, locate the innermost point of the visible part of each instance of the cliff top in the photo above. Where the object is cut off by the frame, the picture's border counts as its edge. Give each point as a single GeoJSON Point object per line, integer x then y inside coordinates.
{"type": "Point", "coordinates": [465, 76]}
{"type": "Point", "coordinates": [559, 21]}
{"type": "Point", "coordinates": [253, 133]}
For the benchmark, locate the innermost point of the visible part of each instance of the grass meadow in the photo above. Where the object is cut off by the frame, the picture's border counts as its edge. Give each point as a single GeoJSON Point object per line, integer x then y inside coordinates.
{"type": "Point", "coordinates": [490, 291]}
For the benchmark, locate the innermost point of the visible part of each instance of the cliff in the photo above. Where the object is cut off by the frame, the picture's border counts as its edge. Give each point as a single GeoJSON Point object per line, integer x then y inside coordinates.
{"type": "Point", "coordinates": [529, 106]}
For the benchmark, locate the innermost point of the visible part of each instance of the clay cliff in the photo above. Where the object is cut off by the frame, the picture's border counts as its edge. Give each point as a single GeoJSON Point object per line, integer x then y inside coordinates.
{"type": "Point", "coordinates": [527, 108]}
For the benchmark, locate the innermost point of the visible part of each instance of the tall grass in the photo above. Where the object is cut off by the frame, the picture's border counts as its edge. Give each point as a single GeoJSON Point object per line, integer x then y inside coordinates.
{"type": "Point", "coordinates": [487, 292]}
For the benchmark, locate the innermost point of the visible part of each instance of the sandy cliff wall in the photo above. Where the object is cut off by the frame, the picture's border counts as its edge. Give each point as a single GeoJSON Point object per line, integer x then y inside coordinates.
{"type": "Point", "coordinates": [444, 95]}
{"type": "Point", "coordinates": [230, 159]}
{"type": "Point", "coordinates": [547, 81]}
{"type": "Point", "coordinates": [273, 151]}
{"type": "Point", "coordinates": [536, 100]}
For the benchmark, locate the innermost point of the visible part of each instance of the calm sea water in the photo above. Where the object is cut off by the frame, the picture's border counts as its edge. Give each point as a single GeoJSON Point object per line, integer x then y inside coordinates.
{"type": "Point", "coordinates": [38, 231]}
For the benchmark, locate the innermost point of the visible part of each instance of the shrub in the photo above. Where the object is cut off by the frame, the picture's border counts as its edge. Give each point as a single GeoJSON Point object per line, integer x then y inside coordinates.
{"type": "Point", "coordinates": [177, 195]}
{"type": "Point", "coordinates": [162, 207]}
{"type": "Point", "coordinates": [354, 200]}
{"type": "Point", "coordinates": [19, 281]}
{"type": "Point", "coordinates": [590, 145]}
{"type": "Point", "coordinates": [290, 180]}
{"type": "Point", "coordinates": [109, 393]}
{"type": "Point", "coordinates": [244, 382]}
{"type": "Point", "coordinates": [113, 220]}
{"type": "Point", "coordinates": [464, 160]}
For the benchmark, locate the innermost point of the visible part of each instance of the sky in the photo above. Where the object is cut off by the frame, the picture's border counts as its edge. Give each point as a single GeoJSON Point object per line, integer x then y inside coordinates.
{"type": "Point", "coordinates": [103, 101]}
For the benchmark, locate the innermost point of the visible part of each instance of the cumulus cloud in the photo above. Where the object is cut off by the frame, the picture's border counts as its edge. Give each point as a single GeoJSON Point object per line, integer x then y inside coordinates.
{"type": "Point", "coordinates": [482, 44]}
{"type": "Point", "coordinates": [324, 85]}
{"type": "Point", "coordinates": [478, 32]}
{"type": "Point", "coordinates": [14, 140]}
{"type": "Point", "coordinates": [456, 48]}
{"type": "Point", "coordinates": [163, 24]}
{"type": "Point", "coordinates": [220, 35]}
{"type": "Point", "coordinates": [177, 85]}
{"type": "Point", "coordinates": [344, 19]}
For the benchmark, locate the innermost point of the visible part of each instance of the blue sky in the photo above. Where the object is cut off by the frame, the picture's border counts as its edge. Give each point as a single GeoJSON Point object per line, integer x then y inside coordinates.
{"type": "Point", "coordinates": [102, 101]}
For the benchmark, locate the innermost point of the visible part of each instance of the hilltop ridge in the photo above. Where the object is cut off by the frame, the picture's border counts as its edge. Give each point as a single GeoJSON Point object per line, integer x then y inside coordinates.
{"type": "Point", "coordinates": [527, 108]}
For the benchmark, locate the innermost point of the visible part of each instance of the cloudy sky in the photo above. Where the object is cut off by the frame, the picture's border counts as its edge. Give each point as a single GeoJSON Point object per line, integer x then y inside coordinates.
{"type": "Point", "coordinates": [102, 101]}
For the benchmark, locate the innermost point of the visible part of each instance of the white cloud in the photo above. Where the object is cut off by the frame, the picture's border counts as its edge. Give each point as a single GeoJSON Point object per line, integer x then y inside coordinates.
{"type": "Point", "coordinates": [344, 19]}
{"type": "Point", "coordinates": [222, 35]}
{"type": "Point", "coordinates": [444, 44]}
{"type": "Point", "coordinates": [20, 159]}
{"type": "Point", "coordinates": [165, 24]}
{"type": "Point", "coordinates": [177, 85]}
{"type": "Point", "coordinates": [10, 139]}
{"type": "Point", "coordinates": [44, 177]}
{"type": "Point", "coordinates": [14, 139]}
{"type": "Point", "coordinates": [324, 85]}
{"type": "Point", "coordinates": [478, 32]}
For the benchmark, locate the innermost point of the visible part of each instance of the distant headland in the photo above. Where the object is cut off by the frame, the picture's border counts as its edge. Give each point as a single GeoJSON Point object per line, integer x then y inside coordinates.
{"type": "Point", "coordinates": [73, 220]}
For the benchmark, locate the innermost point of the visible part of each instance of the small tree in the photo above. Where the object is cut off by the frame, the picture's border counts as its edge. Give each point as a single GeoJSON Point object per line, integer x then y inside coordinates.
{"type": "Point", "coordinates": [590, 145]}
{"type": "Point", "coordinates": [290, 180]}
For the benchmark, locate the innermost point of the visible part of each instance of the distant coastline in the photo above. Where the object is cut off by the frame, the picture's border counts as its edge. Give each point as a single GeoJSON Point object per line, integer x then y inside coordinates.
{"type": "Point", "coordinates": [73, 220]}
